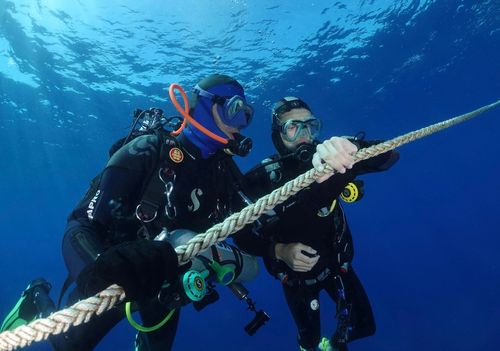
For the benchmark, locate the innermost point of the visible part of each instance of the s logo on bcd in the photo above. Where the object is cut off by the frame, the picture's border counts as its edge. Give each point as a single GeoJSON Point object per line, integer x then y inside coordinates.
{"type": "Point", "coordinates": [194, 198]}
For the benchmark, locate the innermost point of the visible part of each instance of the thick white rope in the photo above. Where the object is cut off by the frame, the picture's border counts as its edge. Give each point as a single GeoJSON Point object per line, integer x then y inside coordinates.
{"type": "Point", "coordinates": [84, 310]}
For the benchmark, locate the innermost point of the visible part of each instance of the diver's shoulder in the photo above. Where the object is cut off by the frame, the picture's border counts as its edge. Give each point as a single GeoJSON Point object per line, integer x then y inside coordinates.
{"type": "Point", "coordinates": [144, 147]}
{"type": "Point", "coordinates": [150, 142]}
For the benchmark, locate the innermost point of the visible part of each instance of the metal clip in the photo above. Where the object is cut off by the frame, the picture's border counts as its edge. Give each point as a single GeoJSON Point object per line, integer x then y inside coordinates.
{"type": "Point", "coordinates": [170, 209]}
{"type": "Point", "coordinates": [142, 216]}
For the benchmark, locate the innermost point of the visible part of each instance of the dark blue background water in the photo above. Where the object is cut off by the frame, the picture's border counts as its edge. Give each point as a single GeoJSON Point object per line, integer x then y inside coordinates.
{"type": "Point", "coordinates": [426, 233]}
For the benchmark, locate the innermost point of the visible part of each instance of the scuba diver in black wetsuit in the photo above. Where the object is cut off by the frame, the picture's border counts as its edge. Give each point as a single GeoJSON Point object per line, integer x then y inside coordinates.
{"type": "Point", "coordinates": [306, 242]}
{"type": "Point", "coordinates": [156, 183]}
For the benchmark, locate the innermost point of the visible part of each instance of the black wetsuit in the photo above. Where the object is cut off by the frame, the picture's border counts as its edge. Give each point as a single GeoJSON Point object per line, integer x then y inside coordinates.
{"type": "Point", "coordinates": [315, 218]}
{"type": "Point", "coordinates": [199, 193]}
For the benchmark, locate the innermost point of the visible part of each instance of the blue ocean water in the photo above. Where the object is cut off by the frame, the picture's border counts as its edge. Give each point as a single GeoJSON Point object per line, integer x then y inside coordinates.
{"type": "Point", "coordinates": [426, 232]}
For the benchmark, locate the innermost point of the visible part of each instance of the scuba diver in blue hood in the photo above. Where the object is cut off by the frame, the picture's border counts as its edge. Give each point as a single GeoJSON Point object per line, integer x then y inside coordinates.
{"type": "Point", "coordinates": [154, 183]}
{"type": "Point", "coordinates": [306, 243]}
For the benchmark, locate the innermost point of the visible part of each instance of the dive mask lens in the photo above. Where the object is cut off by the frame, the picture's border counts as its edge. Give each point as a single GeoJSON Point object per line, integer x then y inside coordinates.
{"type": "Point", "coordinates": [314, 126]}
{"type": "Point", "coordinates": [238, 113]}
{"type": "Point", "coordinates": [292, 129]}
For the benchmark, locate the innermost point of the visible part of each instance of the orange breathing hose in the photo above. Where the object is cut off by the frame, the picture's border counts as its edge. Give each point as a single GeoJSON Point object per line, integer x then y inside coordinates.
{"type": "Point", "coordinates": [185, 113]}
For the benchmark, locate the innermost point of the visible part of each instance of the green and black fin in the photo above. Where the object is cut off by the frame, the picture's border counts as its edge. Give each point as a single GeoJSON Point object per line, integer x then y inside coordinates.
{"type": "Point", "coordinates": [34, 302]}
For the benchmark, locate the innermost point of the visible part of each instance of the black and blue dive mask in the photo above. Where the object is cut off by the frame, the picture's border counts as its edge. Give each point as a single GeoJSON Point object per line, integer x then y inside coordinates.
{"type": "Point", "coordinates": [236, 112]}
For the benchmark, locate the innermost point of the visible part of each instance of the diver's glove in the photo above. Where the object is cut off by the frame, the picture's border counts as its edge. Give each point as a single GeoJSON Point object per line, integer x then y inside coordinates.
{"type": "Point", "coordinates": [139, 267]}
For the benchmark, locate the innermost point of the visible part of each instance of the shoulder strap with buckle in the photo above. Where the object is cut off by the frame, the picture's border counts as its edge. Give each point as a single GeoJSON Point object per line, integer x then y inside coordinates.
{"type": "Point", "coordinates": [163, 173]}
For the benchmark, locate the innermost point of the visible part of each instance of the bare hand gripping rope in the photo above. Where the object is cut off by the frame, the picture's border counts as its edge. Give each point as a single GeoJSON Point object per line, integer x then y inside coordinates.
{"type": "Point", "coordinates": [84, 310]}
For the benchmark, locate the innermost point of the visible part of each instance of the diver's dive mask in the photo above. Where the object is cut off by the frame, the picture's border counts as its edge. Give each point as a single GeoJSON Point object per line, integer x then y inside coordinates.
{"type": "Point", "coordinates": [292, 129]}
{"type": "Point", "coordinates": [236, 112]}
